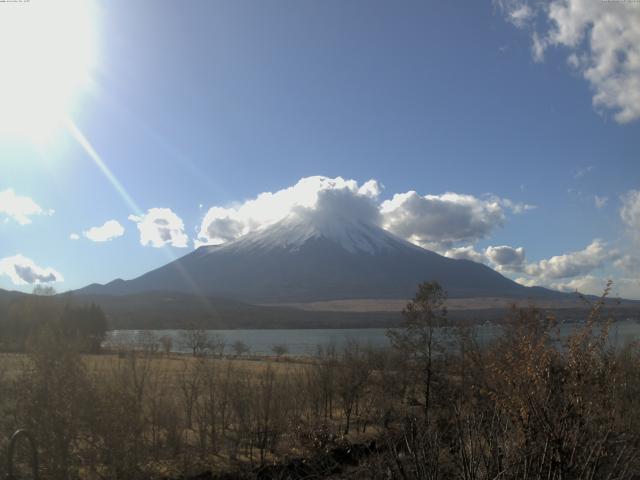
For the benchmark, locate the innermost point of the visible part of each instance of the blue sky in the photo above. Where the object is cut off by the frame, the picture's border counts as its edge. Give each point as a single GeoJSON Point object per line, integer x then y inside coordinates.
{"type": "Point", "coordinates": [193, 105]}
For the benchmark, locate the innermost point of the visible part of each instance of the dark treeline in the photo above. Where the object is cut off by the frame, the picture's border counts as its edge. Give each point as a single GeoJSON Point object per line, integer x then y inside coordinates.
{"type": "Point", "coordinates": [528, 406]}
{"type": "Point", "coordinates": [27, 315]}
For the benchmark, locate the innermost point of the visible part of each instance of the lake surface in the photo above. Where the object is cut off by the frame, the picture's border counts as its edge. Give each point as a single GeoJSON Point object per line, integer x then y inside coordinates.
{"type": "Point", "coordinates": [306, 341]}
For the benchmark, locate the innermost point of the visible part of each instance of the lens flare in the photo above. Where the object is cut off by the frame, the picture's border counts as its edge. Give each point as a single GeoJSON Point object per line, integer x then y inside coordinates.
{"type": "Point", "coordinates": [46, 52]}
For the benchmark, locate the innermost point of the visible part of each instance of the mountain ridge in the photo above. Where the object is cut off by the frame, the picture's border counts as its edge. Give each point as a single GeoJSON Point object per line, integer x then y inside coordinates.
{"type": "Point", "coordinates": [302, 260]}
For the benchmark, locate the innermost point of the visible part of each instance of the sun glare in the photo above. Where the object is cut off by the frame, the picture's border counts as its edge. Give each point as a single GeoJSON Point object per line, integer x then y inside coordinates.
{"type": "Point", "coordinates": [46, 53]}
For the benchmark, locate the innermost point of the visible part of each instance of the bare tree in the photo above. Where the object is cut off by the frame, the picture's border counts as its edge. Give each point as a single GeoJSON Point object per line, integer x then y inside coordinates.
{"type": "Point", "coordinates": [269, 411]}
{"type": "Point", "coordinates": [416, 338]}
{"type": "Point", "coordinates": [240, 348]}
{"type": "Point", "coordinates": [50, 392]}
{"type": "Point", "coordinates": [352, 374]}
{"type": "Point", "coordinates": [189, 382]}
{"type": "Point", "coordinates": [280, 350]}
{"type": "Point", "coordinates": [166, 343]}
{"type": "Point", "coordinates": [217, 345]}
{"type": "Point", "coordinates": [148, 342]}
{"type": "Point", "coordinates": [197, 341]}
{"type": "Point", "coordinates": [325, 376]}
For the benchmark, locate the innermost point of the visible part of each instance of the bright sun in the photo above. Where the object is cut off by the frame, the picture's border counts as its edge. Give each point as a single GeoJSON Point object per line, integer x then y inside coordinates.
{"type": "Point", "coordinates": [46, 53]}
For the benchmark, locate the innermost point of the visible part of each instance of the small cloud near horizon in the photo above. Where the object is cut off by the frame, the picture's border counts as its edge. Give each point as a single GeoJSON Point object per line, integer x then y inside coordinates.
{"type": "Point", "coordinates": [22, 270]}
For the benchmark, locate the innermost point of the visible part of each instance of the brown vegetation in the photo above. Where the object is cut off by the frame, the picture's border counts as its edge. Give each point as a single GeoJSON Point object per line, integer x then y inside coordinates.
{"type": "Point", "coordinates": [531, 405]}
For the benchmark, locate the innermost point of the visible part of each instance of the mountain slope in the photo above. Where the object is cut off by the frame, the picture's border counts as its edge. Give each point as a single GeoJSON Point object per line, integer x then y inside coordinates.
{"type": "Point", "coordinates": [298, 260]}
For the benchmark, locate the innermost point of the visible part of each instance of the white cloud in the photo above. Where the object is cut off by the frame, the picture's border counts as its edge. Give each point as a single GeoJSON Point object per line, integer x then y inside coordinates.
{"type": "Point", "coordinates": [577, 271]}
{"type": "Point", "coordinates": [630, 211]}
{"type": "Point", "coordinates": [108, 231]}
{"type": "Point", "coordinates": [572, 264]}
{"type": "Point", "coordinates": [628, 263]}
{"type": "Point", "coordinates": [587, 284]}
{"type": "Point", "coordinates": [573, 61]}
{"type": "Point", "coordinates": [370, 188]}
{"type": "Point", "coordinates": [515, 207]}
{"type": "Point", "coordinates": [501, 257]}
{"type": "Point", "coordinates": [466, 253]}
{"type": "Point", "coordinates": [506, 258]}
{"type": "Point", "coordinates": [19, 208]}
{"type": "Point", "coordinates": [602, 40]}
{"type": "Point", "coordinates": [439, 221]}
{"type": "Point", "coordinates": [74, 236]}
{"type": "Point", "coordinates": [222, 224]}
{"type": "Point", "coordinates": [342, 204]}
{"type": "Point", "coordinates": [600, 202]}
{"type": "Point", "coordinates": [518, 12]}
{"type": "Point", "coordinates": [582, 171]}
{"type": "Point", "coordinates": [592, 285]}
{"type": "Point", "coordinates": [520, 15]}
{"type": "Point", "coordinates": [538, 46]}
{"type": "Point", "coordinates": [528, 282]}
{"type": "Point", "coordinates": [23, 271]}
{"type": "Point", "coordinates": [160, 227]}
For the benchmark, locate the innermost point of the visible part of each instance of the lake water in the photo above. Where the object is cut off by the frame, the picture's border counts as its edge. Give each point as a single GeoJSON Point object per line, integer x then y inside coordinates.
{"type": "Point", "coordinates": [306, 341]}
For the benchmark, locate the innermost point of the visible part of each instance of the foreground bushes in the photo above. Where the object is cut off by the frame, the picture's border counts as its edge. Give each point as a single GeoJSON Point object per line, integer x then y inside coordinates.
{"type": "Point", "coordinates": [530, 405]}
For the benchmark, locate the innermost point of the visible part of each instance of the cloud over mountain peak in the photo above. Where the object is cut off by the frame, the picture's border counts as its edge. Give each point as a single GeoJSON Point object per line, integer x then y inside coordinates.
{"type": "Point", "coordinates": [434, 221]}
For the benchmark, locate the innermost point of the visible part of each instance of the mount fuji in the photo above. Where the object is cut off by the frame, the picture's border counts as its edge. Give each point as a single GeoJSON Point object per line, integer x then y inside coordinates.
{"type": "Point", "coordinates": [307, 259]}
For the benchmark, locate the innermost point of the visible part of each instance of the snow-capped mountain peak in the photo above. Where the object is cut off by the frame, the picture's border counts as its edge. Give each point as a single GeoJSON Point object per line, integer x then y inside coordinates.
{"type": "Point", "coordinates": [308, 257]}
{"type": "Point", "coordinates": [294, 231]}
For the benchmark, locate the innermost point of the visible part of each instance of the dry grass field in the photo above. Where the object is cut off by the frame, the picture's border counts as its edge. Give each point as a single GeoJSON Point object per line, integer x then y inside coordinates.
{"type": "Point", "coordinates": [528, 405]}
{"type": "Point", "coordinates": [165, 415]}
{"type": "Point", "coordinates": [453, 304]}
{"type": "Point", "coordinates": [171, 366]}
